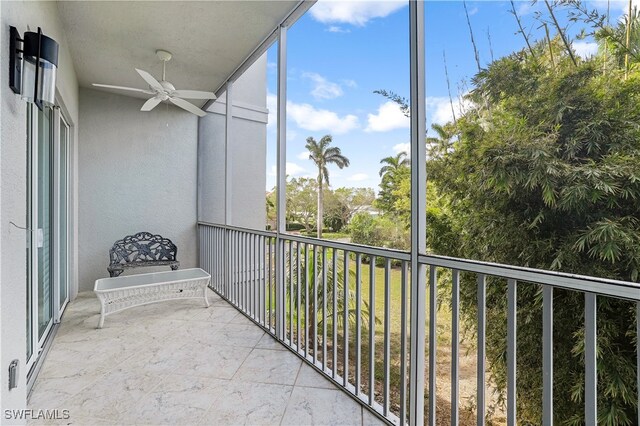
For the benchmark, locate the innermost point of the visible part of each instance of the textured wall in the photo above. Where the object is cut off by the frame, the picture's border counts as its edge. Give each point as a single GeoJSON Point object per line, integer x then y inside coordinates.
{"type": "Point", "coordinates": [13, 187]}
{"type": "Point", "coordinates": [137, 172]}
{"type": "Point", "coordinates": [248, 153]}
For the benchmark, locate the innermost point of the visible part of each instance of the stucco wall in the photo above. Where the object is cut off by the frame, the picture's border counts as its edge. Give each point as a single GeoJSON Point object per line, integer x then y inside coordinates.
{"type": "Point", "coordinates": [248, 153]}
{"type": "Point", "coordinates": [137, 172]}
{"type": "Point", "coordinates": [13, 188]}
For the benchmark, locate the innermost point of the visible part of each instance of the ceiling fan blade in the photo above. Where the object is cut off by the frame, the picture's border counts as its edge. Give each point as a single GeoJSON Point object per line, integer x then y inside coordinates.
{"type": "Point", "coordinates": [151, 80]}
{"type": "Point", "coordinates": [150, 104]}
{"type": "Point", "coordinates": [188, 106]}
{"type": "Point", "coordinates": [193, 94]}
{"type": "Point", "coordinates": [131, 89]}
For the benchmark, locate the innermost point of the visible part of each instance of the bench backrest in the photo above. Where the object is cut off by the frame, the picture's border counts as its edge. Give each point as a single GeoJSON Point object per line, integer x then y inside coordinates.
{"type": "Point", "coordinates": [142, 247]}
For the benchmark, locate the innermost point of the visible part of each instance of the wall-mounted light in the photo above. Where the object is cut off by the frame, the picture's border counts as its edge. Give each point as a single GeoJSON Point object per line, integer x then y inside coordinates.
{"type": "Point", "coordinates": [32, 72]}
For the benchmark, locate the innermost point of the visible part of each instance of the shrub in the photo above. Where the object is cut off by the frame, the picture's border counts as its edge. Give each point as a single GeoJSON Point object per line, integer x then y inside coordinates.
{"type": "Point", "coordinates": [378, 231]}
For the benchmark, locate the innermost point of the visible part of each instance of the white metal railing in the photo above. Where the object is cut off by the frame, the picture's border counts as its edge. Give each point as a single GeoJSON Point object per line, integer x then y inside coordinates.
{"type": "Point", "coordinates": [330, 304]}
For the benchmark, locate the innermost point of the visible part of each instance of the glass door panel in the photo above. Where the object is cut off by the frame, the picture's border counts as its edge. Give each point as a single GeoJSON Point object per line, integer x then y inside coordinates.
{"type": "Point", "coordinates": [48, 218]}
{"type": "Point", "coordinates": [63, 216]}
{"type": "Point", "coordinates": [30, 224]}
{"type": "Point", "coordinates": [44, 222]}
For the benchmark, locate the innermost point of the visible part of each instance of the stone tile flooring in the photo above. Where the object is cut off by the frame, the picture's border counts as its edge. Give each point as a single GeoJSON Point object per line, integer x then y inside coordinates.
{"type": "Point", "coordinates": [178, 363]}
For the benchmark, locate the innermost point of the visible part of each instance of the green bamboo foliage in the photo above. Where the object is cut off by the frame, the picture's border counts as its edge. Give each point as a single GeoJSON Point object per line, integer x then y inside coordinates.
{"type": "Point", "coordinates": [551, 180]}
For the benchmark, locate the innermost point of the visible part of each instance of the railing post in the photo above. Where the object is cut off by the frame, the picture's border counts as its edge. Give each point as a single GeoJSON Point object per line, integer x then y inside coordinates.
{"type": "Point", "coordinates": [590, 360]}
{"type": "Point", "coordinates": [433, 341]}
{"type": "Point", "coordinates": [512, 322]}
{"type": "Point", "coordinates": [226, 285]}
{"type": "Point", "coordinates": [455, 347]}
{"type": "Point", "coordinates": [418, 218]}
{"type": "Point", "coordinates": [281, 180]}
{"type": "Point", "coordinates": [547, 355]}
{"type": "Point", "coordinates": [482, 351]}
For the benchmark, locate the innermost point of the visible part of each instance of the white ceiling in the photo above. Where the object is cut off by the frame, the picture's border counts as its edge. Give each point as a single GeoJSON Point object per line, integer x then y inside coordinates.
{"type": "Point", "coordinates": [208, 39]}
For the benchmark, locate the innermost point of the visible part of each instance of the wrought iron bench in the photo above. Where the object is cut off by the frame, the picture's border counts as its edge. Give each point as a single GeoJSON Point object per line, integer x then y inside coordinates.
{"type": "Point", "coordinates": [142, 249]}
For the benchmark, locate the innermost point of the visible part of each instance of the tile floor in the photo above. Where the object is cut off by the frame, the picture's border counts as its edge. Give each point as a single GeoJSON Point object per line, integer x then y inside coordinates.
{"type": "Point", "coordinates": [178, 363]}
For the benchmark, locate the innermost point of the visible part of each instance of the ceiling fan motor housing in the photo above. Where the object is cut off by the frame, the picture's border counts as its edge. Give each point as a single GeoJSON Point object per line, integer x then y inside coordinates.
{"type": "Point", "coordinates": [163, 55]}
{"type": "Point", "coordinates": [167, 86]}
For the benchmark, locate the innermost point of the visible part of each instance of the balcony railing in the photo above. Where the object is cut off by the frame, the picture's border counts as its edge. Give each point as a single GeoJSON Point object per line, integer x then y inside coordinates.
{"type": "Point", "coordinates": [346, 310]}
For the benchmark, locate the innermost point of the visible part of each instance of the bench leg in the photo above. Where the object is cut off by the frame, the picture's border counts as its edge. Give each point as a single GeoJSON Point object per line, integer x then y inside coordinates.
{"type": "Point", "coordinates": [206, 299]}
{"type": "Point", "coordinates": [101, 322]}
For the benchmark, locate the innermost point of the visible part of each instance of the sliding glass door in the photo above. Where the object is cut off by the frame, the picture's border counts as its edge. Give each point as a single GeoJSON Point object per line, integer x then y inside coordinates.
{"type": "Point", "coordinates": [61, 217]}
{"type": "Point", "coordinates": [44, 219]}
{"type": "Point", "coordinates": [48, 208]}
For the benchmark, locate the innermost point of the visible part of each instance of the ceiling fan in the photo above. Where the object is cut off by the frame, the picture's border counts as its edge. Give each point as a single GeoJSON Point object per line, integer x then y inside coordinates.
{"type": "Point", "coordinates": [164, 90]}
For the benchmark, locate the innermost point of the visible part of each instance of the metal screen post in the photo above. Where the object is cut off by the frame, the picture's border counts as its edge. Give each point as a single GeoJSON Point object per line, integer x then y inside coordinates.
{"type": "Point", "coordinates": [228, 170]}
{"type": "Point", "coordinates": [418, 218]}
{"type": "Point", "coordinates": [281, 179]}
{"type": "Point", "coordinates": [228, 166]}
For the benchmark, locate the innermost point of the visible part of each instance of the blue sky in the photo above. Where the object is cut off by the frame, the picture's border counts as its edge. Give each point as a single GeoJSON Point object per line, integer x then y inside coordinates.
{"type": "Point", "coordinates": [340, 52]}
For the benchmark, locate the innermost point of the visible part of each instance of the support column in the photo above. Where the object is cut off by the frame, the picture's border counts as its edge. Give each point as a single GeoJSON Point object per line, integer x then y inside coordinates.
{"type": "Point", "coordinates": [418, 217]}
{"type": "Point", "coordinates": [228, 161]}
{"type": "Point", "coordinates": [228, 180]}
{"type": "Point", "coordinates": [281, 173]}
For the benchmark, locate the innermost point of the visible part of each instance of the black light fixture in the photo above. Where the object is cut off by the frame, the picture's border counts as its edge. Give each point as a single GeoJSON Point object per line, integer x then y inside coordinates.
{"type": "Point", "coordinates": [33, 75]}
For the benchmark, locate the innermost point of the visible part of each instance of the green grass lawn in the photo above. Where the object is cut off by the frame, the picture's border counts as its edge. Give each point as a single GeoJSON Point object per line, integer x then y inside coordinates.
{"type": "Point", "coordinates": [443, 319]}
{"type": "Point", "coordinates": [395, 312]}
{"type": "Point", "coordinates": [327, 235]}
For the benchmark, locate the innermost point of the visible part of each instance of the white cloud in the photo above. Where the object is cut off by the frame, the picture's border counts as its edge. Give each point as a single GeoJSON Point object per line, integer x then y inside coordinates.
{"type": "Point", "coordinates": [389, 117]}
{"type": "Point", "coordinates": [402, 147]}
{"type": "Point", "coordinates": [473, 11]}
{"type": "Point", "coordinates": [350, 83]}
{"type": "Point", "coordinates": [525, 8]}
{"type": "Point", "coordinates": [358, 177]}
{"type": "Point", "coordinates": [323, 88]}
{"type": "Point", "coordinates": [357, 13]}
{"type": "Point", "coordinates": [619, 5]}
{"type": "Point", "coordinates": [303, 155]}
{"type": "Point", "coordinates": [293, 169]}
{"type": "Point", "coordinates": [337, 29]}
{"type": "Point", "coordinates": [308, 117]}
{"type": "Point", "coordinates": [439, 109]}
{"type": "Point", "coordinates": [585, 49]}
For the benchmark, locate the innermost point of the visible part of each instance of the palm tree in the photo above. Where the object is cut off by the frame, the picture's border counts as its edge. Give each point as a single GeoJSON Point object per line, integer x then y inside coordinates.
{"type": "Point", "coordinates": [308, 269]}
{"type": "Point", "coordinates": [322, 154]}
{"type": "Point", "coordinates": [392, 164]}
{"type": "Point", "coordinates": [442, 142]}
